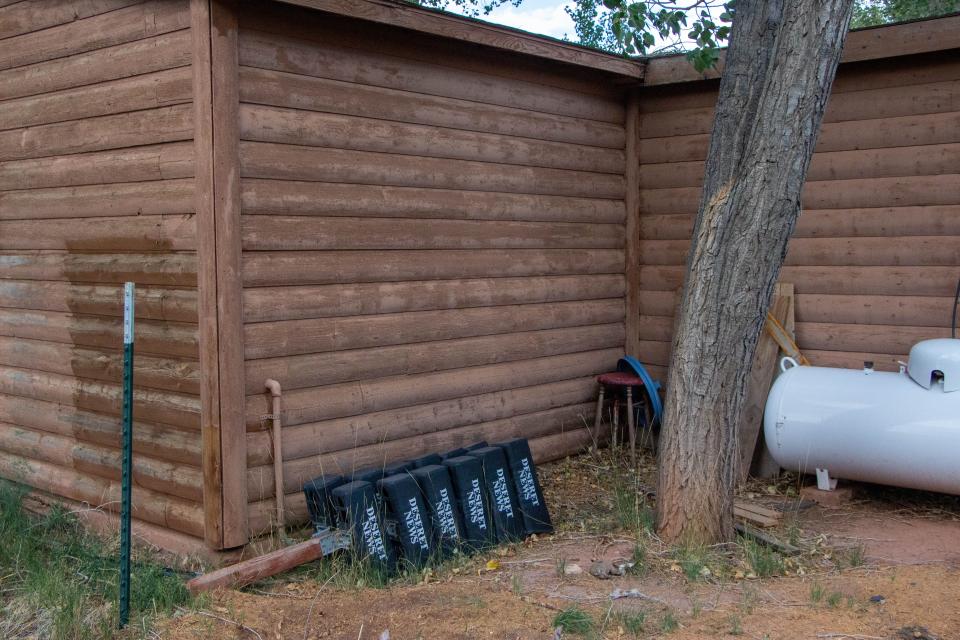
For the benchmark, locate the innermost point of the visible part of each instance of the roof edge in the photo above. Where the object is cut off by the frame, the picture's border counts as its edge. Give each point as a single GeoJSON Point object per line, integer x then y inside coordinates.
{"type": "Point", "coordinates": [441, 23]}
{"type": "Point", "coordinates": [870, 43]}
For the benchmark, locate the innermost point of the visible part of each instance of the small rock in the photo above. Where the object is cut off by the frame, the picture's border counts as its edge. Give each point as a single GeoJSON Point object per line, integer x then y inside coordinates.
{"type": "Point", "coordinates": [600, 569]}
{"type": "Point", "coordinates": [572, 570]}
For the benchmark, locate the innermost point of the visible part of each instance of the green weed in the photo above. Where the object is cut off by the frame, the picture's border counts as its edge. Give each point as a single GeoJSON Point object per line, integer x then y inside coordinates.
{"type": "Point", "coordinates": [560, 565]}
{"type": "Point", "coordinates": [669, 623]}
{"type": "Point", "coordinates": [632, 511]}
{"type": "Point", "coordinates": [834, 599]}
{"type": "Point", "coordinates": [639, 558]}
{"type": "Point", "coordinates": [736, 627]}
{"type": "Point", "coordinates": [694, 561]}
{"type": "Point", "coordinates": [856, 556]}
{"type": "Point", "coordinates": [763, 561]}
{"type": "Point", "coordinates": [574, 621]}
{"type": "Point", "coordinates": [632, 622]}
{"type": "Point", "coordinates": [816, 593]}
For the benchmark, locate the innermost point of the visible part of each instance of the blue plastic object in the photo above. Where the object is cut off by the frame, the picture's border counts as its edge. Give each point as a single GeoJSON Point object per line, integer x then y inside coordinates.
{"type": "Point", "coordinates": [629, 363]}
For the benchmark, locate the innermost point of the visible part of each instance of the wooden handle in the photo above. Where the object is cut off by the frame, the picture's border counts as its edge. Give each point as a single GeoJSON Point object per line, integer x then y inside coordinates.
{"type": "Point", "coordinates": [249, 571]}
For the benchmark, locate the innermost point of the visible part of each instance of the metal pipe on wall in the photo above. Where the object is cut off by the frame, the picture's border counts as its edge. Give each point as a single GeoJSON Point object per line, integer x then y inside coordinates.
{"type": "Point", "coordinates": [276, 394]}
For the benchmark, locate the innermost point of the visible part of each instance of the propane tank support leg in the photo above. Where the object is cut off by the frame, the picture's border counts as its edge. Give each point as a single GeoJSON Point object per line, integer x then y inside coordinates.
{"type": "Point", "coordinates": [824, 481]}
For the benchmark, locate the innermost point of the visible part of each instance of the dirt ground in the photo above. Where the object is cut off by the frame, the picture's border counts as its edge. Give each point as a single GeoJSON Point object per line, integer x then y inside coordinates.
{"type": "Point", "coordinates": [884, 565]}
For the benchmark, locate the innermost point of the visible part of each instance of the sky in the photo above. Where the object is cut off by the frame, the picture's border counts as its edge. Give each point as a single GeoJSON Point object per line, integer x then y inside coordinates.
{"type": "Point", "coordinates": [546, 17]}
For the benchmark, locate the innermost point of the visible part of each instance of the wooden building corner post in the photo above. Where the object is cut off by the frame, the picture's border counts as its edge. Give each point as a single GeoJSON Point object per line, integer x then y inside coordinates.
{"type": "Point", "coordinates": [216, 143]}
{"type": "Point", "coordinates": [632, 225]}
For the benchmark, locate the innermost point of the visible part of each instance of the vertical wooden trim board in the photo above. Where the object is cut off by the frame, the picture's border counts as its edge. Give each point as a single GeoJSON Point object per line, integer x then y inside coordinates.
{"type": "Point", "coordinates": [218, 208]}
{"type": "Point", "coordinates": [206, 274]}
{"type": "Point", "coordinates": [632, 226]}
{"type": "Point", "coordinates": [224, 68]}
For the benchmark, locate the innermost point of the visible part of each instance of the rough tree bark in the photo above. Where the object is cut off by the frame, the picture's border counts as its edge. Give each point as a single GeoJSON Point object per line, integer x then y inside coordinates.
{"type": "Point", "coordinates": [780, 65]}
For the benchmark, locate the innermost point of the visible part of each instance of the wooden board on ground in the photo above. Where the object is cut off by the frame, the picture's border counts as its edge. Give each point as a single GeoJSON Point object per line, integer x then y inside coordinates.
{"type": "Point", "coordinates": [761, 377]}
{"type": "Point", "coordinates": [756, 513]}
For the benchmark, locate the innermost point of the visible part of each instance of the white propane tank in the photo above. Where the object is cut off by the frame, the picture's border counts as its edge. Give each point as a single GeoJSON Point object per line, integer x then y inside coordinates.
{"type": "Point", "coordinates": [900, 429]}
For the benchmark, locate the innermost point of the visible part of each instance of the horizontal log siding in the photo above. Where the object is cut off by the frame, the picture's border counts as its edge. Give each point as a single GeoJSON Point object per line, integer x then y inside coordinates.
{"type": "Point", "coordinates": [875, 255]}
{"type": "Point", "coordinates": [96, 188]}
{"type": "Point", "coordinates": [432, 251]}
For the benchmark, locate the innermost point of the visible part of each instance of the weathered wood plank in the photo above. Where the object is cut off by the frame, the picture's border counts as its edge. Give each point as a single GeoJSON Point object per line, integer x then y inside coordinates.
{"type": "Point", "coordinates": [164, 407]}
{"type": "Point", "coordinates": [151, 372]}
{"type": "Point", "coordinates": [882, 133]}
{"type": "Point", "coordinates": [33, 15]}
{"type": "Point", "coordinates": [871, 280]}
{"type": "Point", "coordinates": [167, 511]}
{"type": "Point", "coordinates": [294, 337]}
{"type": "Point", "coordinates": [124, 25]}
{"type": "Point", "coordinates": [327, 267]}
{"type": "Point", "coordinates": [833, 223]}
{"type": "Point", "coordinates": [156, 475]}
{"type": "Point", "coordinates": [155, 162]}
{"type": "Point", "coordinates": [165, 51]}
{"type": "Point", "coordinates": [163, 442]}
{"type": "Point", "coordinates": [153, 337]}
{"type": "Point", "coordinates": [387, 40]}
{"type": "Point", "coordinates": [174, 269]}
{"type": "Point", "coordinates": [225, 188]}
{"type": "Point", "coordinates": [99, 200]}
{"type": "Point", "coordinates": [209, 349]}
{"type": "Point", "coordinates": [324, 59]}
{"type": "Point", "coordinates": [317, 438]}
{"type": "Point", "coordinates": [300, 233]}
{"type": "Point", "coordinates": [318, 369]}
{"type": "Point", "coordinates": [903, 191]}
{"type": "Point", "coordinates": [149, 91]}
{"type": "Point", "coordinates": [929, 159]}
{"type": "Point", "coordinates": [129, 233]}
{"type": "Point", "coordinates": [289, 126]}
{"type": "Point", "coordinates": [288, 197]}
{"type": "Point", "coordinates": [869, 251]}
{"type": "Point", "coordinates": [894, 72]}
{"type": "Point", "coordinates": [150, 126]}
{"type": "Point", "coordinates": [827, 336]}
{"type": "Point", "coordinates": [911, 311]}
{"type": "Point", "coordinates": [299, 302]}
{"type": "Point", "coordinates": [451, 26]}
{"type": "Point", "coordinates": [888, 102]}
{"type": "Point", "coordinates": [259, 86]}
{"type": "Point", "coordinates": [532, 425]}
{"type": "Point", "coordinates": [291, 162]}
{"type": "Point", "coordinates": [758, 382]}
{"type": "Point", "coordinates": [152, 303]}
{"type": "Point", "coordinates": [366, 396]}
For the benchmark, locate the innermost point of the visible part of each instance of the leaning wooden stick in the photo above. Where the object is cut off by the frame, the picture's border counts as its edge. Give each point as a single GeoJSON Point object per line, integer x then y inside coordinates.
{"type": "Point", "coordinates": [250, 571]}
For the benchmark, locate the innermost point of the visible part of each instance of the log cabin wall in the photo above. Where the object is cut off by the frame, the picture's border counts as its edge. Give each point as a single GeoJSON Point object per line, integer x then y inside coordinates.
{"type": "Point", "coordinates": [96, 188]}
{"type": "Point", "coordinates": [876, 253]}
{"type": "Point", "coordinates": [433, 246]}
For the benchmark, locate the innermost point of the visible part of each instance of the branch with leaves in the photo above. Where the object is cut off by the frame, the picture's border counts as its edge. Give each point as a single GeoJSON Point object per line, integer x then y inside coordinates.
{"type": "Point", "coordinates": [638, 24]}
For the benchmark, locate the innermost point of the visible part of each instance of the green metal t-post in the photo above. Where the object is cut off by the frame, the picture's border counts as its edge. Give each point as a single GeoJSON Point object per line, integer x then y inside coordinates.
{"type": "Point", "coordinates": [126, 476]}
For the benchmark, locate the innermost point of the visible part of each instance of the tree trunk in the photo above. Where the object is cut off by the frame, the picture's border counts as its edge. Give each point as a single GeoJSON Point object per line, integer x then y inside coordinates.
{"type": "Point", "coordinates": [780, 65]}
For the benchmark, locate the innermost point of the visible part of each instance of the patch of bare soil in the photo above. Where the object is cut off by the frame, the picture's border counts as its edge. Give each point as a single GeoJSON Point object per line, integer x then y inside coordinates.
{"type": "Point", "coordinates": [883, 566]}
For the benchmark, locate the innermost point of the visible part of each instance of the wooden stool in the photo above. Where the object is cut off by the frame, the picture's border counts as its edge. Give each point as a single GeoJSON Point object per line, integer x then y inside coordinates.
{"type": "Point", "coordinates": [626, 381]}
